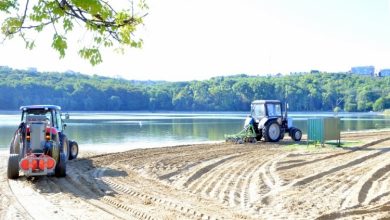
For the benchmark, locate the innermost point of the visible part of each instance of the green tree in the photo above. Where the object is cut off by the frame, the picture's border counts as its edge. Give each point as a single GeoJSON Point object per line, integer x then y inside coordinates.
{"type": "Point", "coordinates": [381, 104]}
{"type": "Point", "coordinates": [108, 25]}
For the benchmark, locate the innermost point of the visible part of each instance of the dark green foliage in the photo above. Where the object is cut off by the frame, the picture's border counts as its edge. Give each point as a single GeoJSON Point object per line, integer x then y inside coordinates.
{"type": "Point", "coordinates": [105, 25]}
{"type": "Point", "coordinates": [310, 92]}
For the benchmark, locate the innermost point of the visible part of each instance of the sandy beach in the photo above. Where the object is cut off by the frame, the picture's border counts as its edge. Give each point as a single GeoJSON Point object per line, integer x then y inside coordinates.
{"type": "Point", "coordinates": [213, 181]}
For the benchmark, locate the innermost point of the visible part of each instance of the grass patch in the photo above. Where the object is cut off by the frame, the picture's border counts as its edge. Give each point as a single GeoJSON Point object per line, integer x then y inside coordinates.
{"type": "Point", "coordinates": [317, 146]}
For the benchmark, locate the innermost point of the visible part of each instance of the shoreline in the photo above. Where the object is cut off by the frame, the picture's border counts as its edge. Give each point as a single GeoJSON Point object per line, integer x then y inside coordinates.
{"type": "Point", "coordinates": [123, 147]}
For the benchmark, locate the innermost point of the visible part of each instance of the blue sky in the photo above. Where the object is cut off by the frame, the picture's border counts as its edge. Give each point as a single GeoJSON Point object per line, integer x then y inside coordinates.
{"type": "Point", "coordinates": [188, 39]}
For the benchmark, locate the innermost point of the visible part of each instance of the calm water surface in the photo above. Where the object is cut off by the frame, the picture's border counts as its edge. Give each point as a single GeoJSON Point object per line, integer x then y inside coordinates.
{"type": "Point", "coordinates": [107, 130]}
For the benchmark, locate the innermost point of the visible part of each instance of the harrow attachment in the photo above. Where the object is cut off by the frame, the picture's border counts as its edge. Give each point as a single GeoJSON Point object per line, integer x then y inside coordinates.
{"type": "Point", "coordinates": [247, 135]}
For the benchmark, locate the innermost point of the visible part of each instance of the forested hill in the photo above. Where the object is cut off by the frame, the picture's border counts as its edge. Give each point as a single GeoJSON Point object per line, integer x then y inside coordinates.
{"type": "Point", "coordinates": [305, 92]}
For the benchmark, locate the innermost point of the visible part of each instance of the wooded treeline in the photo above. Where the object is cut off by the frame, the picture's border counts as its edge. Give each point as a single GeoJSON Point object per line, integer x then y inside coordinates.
{"type": "Point", "coordinates": [304, 92]}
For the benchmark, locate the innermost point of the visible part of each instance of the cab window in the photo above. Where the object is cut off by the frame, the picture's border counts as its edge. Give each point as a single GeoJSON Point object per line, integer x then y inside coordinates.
{"type": "Point", "coordinates": [274, 110]}
{"type": "Point", "coordinates": [59, 121]}
{"type": "Point", "coordinates": [46, 113]}
{"type": "Point", "coordinates": [258, 111]}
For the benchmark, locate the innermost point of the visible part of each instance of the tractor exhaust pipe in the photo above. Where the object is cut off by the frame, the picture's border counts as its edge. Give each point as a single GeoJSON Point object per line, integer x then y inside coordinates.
{"type": "Point", "coordinates": [285, 110]}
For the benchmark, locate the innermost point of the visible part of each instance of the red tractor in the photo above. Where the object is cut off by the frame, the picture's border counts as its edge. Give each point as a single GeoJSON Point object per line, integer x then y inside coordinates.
{"type": "Point", "coordinates": [39, 146]}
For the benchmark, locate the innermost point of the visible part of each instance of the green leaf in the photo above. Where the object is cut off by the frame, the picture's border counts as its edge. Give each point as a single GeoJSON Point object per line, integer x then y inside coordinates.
{"type": "Point", "coordinates": [39, 28]}
{"type": "Point", "coordinates": [30, 45]}
{"type": "Point", "coordinates": [91, 54]}
{"type": "Point", "coordinates": [11, 26]}
{"type": "Point", "coordinates": [6, 5]}
{"type": "Point", "coordinates": [68, 25]}
{"type": "Point", "coordinates": [59, 44]}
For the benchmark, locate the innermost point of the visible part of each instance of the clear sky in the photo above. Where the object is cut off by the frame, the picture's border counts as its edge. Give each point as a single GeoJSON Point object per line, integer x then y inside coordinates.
{"type": "Point", "coordinates": [199, 39]}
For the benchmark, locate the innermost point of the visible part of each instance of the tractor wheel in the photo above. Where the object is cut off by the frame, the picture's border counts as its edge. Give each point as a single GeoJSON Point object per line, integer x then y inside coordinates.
{"type": "Point", "coordinates": [55, 152]}
{"type": "Point", "coordinates": [296, 134]}
{"type": "Point", "coordinates": [60, 170]}
{"type": "Point", "coordinates": [13, 166]}
{"type": "Point", "coordinates": [271, 132]}
{"type": "Point", "coordinates": [15, 145]}
{"type": "Point", "coordinates": [74, 150]}
{"type": "Point", "coordinates": [65, 146]}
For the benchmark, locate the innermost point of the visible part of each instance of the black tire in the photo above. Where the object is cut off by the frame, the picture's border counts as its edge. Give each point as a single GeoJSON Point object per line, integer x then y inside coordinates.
{"type": "Point", "coordinates": [296, 134]}
{"type": "Point", "coordinates": [15, 144]}
{"type": "Point", "coordinates": [60, 170]}
{"type": "Point", "coordinates": [55, 152]}
{"type": "Point", "coordinates": [13, 166]}
{"type": "Point", "coordinates": [271, 132]}
{"type": "Point", "coordinates": [73, 149]}
{"type": "Point", "coordinates": [65, 146]}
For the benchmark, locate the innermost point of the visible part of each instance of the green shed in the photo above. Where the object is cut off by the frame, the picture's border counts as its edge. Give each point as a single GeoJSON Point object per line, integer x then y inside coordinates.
{"type": "Point", "coordinates": [323, 129]}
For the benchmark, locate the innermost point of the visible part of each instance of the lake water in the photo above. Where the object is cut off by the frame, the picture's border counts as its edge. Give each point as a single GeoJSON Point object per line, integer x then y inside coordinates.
{"type": "Point", "coordinates": [119, 130]}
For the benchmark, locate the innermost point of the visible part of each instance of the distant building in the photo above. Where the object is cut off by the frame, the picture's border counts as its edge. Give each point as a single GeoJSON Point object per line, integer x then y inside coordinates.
{"type": "Point", "coordinates": [363, 70]}
{"type": "Point", "coordinates": [384, 72]}
{"type": "Point", "coordinates": [314, 71]}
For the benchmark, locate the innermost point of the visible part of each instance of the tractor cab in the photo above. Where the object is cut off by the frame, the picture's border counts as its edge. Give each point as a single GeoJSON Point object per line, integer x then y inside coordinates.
{"type": "Point", "coordinates": [266, 109]}
{"type": "Point", "coordinates": [50, 113]}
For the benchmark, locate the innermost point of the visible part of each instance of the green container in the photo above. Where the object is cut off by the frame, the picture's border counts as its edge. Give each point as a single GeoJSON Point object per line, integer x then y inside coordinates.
{"type": "Point", "coordinates": [323, 129]}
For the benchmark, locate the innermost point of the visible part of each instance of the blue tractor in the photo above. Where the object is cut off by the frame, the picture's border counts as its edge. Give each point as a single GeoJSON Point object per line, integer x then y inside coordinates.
{"type": "Point", "coordinates": [269, 122]}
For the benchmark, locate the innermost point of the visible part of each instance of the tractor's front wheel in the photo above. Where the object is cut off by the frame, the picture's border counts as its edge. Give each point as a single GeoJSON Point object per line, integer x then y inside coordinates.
{"type": "Point", "coordinates": [13, 166]}
{"type": "Point", "coordinates": [74, 150]}
{"type": "Point", "coordinates": [296, 134]}
{"type": "Point", "coordinates": [271, 132]}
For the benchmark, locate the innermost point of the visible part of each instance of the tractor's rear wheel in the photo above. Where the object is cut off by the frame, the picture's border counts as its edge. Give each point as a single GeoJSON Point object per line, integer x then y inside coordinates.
{"type": "Point", "coordinates": [74, 150]}
{"type": "Point", "coordinates": [60, 170]}
{"type": "Point", "coordinates": [13, 166]}
{"type": "Point", "coordinates": [65, 146]}
{"type": "Point", "coordinates": [15, 145]}
{"type": "Point", "coordinates": [296, 134]}
{"type": "Point", "coordinates": [271, 132]}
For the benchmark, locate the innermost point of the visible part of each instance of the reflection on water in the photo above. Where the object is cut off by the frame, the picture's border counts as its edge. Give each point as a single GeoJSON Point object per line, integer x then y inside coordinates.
{"type": "Point", "coordinates": [134, 130]}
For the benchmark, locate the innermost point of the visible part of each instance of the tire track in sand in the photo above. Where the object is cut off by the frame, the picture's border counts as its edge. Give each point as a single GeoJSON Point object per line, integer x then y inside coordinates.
{"type": "Point", "coordinates": [201, 170]}
{"type": "Point", "coordinates": [29, 198]}
{"type": "Point", "coordinates": [185, 210]}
